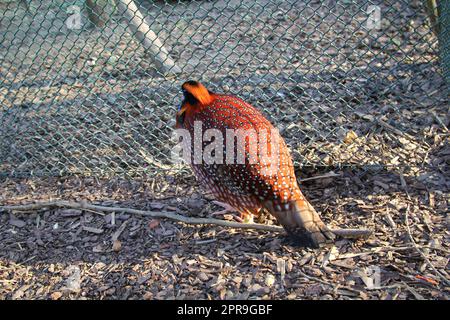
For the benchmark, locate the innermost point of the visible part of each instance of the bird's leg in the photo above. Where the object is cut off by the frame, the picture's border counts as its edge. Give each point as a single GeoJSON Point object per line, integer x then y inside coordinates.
{"type": "Point", "coordinates": [226, 208]}
{"type": "Point", "coordinates": [246, 217]}
{"type": "Point", "coordinates": [243, 217]}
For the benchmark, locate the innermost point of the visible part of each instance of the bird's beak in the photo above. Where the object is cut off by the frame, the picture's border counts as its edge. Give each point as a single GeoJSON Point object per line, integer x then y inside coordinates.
{"type": "Point", "coordinates": [180, 116]}
{"type": "Point", "coordinates": [181, 110]}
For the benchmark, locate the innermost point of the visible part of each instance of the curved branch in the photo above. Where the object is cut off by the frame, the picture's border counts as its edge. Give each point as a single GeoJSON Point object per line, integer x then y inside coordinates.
{"type": "Point", "coordinates": [344, 233]}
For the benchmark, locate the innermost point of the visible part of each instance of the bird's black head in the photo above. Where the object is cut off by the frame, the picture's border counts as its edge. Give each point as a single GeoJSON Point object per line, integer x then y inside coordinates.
{"type": "Point", "coordinates": [195, 93]}
{"type": "Point", "coordinates": [195, 96]}
{"type": "Point", "coordinates": [187, 95]}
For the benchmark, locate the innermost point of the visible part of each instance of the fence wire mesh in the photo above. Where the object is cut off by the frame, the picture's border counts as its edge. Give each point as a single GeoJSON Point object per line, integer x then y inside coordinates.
{"type": "Point", "coordinates": [347, 82]}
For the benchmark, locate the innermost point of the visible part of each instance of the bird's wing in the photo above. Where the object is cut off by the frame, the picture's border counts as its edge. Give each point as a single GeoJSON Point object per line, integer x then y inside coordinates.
{"type": "Point", "coordinates": [266, 178]}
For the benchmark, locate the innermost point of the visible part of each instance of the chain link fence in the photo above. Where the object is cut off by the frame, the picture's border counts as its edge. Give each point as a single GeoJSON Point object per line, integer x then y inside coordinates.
{"type": "Point", "coordinates": [83, 91]}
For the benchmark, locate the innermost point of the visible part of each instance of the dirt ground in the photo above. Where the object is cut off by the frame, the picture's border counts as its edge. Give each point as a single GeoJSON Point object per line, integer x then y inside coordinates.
{"type": "Point", "coordinates": [84, 116]}
{"type": "Point", "coordinates": [67, 253]}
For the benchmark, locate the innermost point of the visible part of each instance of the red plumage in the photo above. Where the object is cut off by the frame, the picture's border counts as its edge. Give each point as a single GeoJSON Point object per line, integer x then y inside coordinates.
{"type": "Point", "coordinates": [252, 185]}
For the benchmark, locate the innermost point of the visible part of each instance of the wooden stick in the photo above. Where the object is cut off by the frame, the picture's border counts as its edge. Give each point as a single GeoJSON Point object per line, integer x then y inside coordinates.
{"type": "Point", "coordinates": [148, 39]}
{"type": "Point", "coordinates": [391, 128]}
{"type": "Point", "coordinates": [324, 176]}
{"type": "Point", "coordinates": [344, 233]}
{"type": "Point", "coordinates": [439, 121]}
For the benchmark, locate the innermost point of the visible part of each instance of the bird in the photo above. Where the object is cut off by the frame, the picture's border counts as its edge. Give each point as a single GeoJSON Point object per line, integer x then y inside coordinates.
{"type": "Point", "coordinates": [252, 185]}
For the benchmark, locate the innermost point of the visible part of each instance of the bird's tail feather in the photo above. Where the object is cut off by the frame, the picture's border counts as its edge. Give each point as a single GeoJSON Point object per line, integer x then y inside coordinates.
{"type": "Point", "coordinates": [302, 223]}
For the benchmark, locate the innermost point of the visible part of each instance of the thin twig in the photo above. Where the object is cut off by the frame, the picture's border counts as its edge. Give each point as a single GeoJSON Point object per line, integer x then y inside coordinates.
{"type": "Point", "coordinates": [315, 279]}
{"type": "Point", "coordinates": [388, 127]}
{"type": "Point", "coordinates": [398, 132]}
{"type": "Point", "coordinates": [379, 250]}
{"type": "Point", "coordinates": [324, 176]}
{"type": "Point", "coordinates": [439, 121]}
{"type": "Point", "coordinates": [413, 242]}
{"type": "Point", "coordinates": [205, 241]}
{"type": "Point", "coordinates": [332, 285]}
{"type": "Point", "coordinates": [96, 212]}
{"type": "Point", "coordinates": [151, 161]}
{"type": "Point", "coordinates": [119, 231]}
{"type": "Point", "coordinates": [344, 233]}
{"type": "Point", "coordinates": [411, 238]}
{"type": "Point", "coordinates": [352, 233]}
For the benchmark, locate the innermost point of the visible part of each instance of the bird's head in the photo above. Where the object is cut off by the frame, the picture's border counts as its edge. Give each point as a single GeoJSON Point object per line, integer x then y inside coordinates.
{"type": "Point", "coordinates": [195, 96]}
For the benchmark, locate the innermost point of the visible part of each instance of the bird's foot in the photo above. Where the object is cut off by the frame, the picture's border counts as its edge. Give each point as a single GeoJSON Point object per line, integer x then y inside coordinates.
{"type": "Point", "coordinates": [246, 218]}
{"type": "Point", "coordinates": [318, 234]}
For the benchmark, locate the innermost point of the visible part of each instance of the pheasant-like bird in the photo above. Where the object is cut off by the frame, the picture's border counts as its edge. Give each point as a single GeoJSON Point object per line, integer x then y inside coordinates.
{"type": "Point", "coordinates": [246, 186]}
